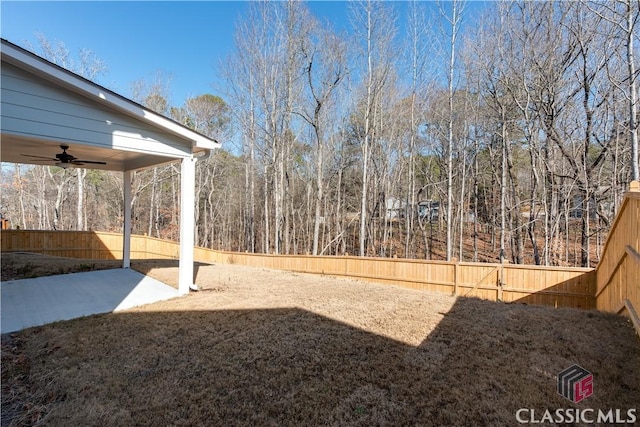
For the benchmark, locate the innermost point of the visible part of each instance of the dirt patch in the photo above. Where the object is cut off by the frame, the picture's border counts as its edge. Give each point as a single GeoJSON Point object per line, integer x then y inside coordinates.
{"type": "Point", "coordinates": [25, 265]}
{"type": "Point", "coordinates": [263, 347]}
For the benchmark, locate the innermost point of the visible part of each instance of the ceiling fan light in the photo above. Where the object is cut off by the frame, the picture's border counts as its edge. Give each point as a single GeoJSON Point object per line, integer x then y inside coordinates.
{"type": "Point", "coordinates": [63, 165]}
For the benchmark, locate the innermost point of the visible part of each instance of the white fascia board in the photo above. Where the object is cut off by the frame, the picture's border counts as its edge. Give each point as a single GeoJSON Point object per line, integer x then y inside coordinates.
{"type": "Point", "coordinates": [43, 68]}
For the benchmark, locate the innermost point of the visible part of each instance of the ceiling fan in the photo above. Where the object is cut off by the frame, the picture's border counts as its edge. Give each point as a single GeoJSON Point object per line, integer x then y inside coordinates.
{"type": "Point", "coordinates": [64, 159]}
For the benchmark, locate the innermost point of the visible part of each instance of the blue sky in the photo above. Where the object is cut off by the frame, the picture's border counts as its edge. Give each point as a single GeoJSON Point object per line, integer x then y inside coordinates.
{"type": "Point", "coordinates": [134, 39]}
{"type": "Point", "coordinates": [185, 40]}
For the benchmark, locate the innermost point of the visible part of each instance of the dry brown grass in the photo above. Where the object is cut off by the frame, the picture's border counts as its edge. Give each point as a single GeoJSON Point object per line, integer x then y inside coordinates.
{"type": "Point", "coordinates": [261, 347]}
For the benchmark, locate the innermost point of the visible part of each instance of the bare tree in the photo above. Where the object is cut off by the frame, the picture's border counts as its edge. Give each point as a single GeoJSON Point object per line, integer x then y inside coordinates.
{"type": "Point", "coordinates": [19, 185]}
{"type": "Point", "coordinates": [86, 64]}
{"type": "Point", "coordinates": [326, 67]}
{"type": "Point", "coordinates": [207, 114]}
{"type": "Point", "coordinates": [80, 208]}
{"type": "Point", "coordinates": [623, 16]}
{"type": "Point", "coordinates": [269, 59]}
{"type": "Point", "coordinates": [375, 29]}
{"type": "Point", "coordinates": [417, 62]}
{"type": "Point", "coordinates": [454, 21]}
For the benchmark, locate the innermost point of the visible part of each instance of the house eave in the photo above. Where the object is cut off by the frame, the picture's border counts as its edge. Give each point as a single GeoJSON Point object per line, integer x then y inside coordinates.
{"type": "Point", "coordinates": [44, 69]}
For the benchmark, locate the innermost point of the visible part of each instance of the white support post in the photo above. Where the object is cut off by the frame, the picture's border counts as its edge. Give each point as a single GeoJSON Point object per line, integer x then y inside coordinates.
{"type": "Point", "coordinates": [126, 232]}
{"type": "Point", "coordinates": [187, 224]}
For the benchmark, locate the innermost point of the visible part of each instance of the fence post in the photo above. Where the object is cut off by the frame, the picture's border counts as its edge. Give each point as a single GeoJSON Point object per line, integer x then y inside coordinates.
{"type": "Point", "coordinates": [500, 289]}
{"type": "Point", "coordinates": [456, 274]}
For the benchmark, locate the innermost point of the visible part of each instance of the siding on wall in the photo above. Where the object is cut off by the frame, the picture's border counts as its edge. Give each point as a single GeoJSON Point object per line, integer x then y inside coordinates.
{"type": "Point", "coordinates": [33, 108]}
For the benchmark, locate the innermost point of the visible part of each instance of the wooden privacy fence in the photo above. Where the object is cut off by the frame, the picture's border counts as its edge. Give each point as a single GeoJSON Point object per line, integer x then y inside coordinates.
{"type": "Point", "coordinates": [618, 272]}
{"type": "Point", "coordinates": [72, 244]}
{"type": "Point", "coordinates": [557, 286]}
{"type": "Point", "coordinates": [86, 244]}
{"type": "Point", "coordinates": [614, 286]}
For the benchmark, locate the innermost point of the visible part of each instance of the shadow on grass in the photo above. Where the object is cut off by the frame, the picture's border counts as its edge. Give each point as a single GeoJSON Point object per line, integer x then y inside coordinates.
{"type": "Point", "coordinates": [289, 366]}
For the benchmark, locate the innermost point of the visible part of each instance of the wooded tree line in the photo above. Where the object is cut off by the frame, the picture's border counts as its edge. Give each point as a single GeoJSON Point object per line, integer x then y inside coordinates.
{"type": "Point", "coordinates": [418, 134]}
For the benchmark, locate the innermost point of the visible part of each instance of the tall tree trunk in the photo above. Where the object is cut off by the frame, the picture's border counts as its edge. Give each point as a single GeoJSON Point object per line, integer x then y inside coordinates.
{"type": "Point", "coordinates": [410, 202]}
{"type": "Point", "coordinates": [319, 193]}
{"type": "Point", "coordinates": [80, 174]}
{"type": "Point", "coordinates": [503, 189]}
{"type": "Point", "coordinates": [367, 136]}
{"type": "Point", "coordinates": [633, 94]}
{"type": "Point", "coordinates": [250, 222]}
{"type": "Point", "coordinates": [462, 204]}
{"type": "Point", "coordinates": [152, 200]}
{"type": "Point", "coordinates": [19, 184]}
{"type": "Point", "coordinates": [266, 246]}
{"type": "Point", "coordinates": [518, 236]}
{"type": "Point", "coordinates": [454, 22]}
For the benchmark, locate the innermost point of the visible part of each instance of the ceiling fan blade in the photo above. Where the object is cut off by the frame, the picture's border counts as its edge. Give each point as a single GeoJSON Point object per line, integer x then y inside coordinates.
{"type": "Point", "coordinates": [40, 157]}
{"type": "Point", "coordinates": [80, 162]}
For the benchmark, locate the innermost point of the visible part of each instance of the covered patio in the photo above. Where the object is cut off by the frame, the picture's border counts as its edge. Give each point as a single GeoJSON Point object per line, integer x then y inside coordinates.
{"type": "Point", "coordinates": [42, 300]}
{"type": "Point", "coordinates": [55, 117]}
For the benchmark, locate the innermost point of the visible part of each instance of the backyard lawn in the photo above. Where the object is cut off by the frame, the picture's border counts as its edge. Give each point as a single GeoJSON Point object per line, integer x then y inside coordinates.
{"type": "Point", "coordinates": [263, 347]}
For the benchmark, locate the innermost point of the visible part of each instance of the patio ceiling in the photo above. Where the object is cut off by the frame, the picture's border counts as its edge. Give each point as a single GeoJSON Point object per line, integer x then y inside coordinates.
{"type": "Point", "coordinates": [16, 149]}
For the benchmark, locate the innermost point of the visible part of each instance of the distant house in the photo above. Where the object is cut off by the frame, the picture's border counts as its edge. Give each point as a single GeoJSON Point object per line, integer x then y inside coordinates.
{"type": "Point", "coordinates": [395, 208]}
{"type": "Point", "coordinates": [578, 206]}
{"type": "Point", "coordinates": [428, 210]}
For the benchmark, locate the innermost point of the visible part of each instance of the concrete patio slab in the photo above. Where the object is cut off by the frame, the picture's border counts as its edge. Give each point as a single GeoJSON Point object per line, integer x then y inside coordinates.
{"type": "Point", "coordinates": [34, 302]}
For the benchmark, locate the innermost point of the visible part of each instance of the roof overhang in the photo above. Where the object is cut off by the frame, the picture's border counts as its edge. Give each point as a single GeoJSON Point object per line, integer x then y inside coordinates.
{"type": "Point", "coordinates": [122, 133]}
